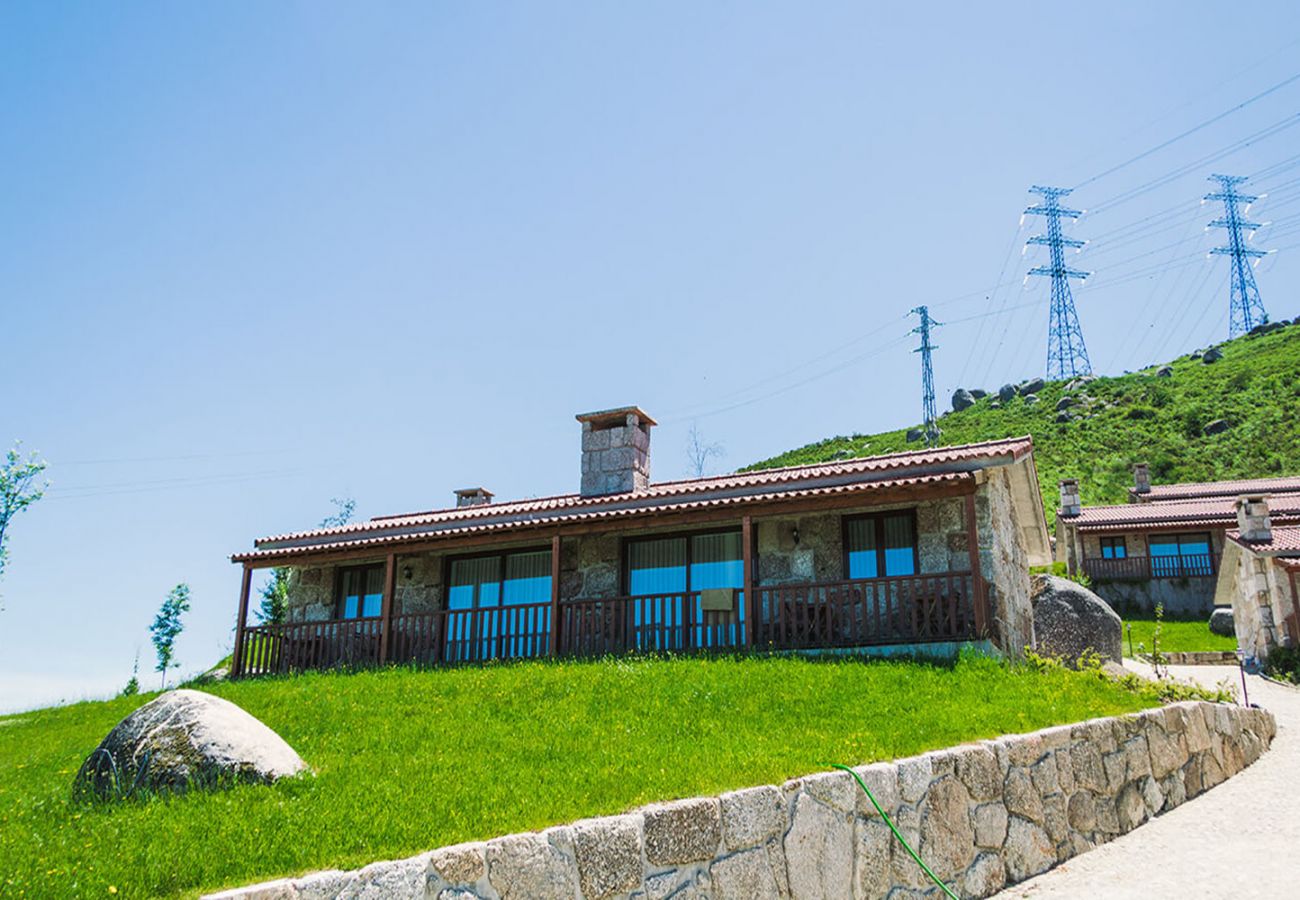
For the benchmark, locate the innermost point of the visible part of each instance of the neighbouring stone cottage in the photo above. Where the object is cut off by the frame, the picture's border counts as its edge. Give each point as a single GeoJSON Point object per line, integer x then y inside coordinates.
{"type": "Point", "coordinates": [1260, 579]}
{"type": "Point", "coordinates": [1164, 545]}
{"type": "Point", "coordinates": [925, 549]}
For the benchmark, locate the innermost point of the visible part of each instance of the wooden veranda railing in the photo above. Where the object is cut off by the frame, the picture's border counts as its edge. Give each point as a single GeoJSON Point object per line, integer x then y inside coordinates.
{"type": "Point", "coordinates": [1143, 568]}
{"type": "Point", "coordinates": [841, 614]}
{"type": "Point", "coordinates": [907, 610]}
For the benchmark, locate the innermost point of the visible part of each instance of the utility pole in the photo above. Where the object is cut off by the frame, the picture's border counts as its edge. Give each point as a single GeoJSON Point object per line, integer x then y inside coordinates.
{"type": "Point", "coordinates": [1245, 308]}
{"type": "Point", "coordinates": [927, 374]}
{"type": "Point", "coordinates": [1067, 356]}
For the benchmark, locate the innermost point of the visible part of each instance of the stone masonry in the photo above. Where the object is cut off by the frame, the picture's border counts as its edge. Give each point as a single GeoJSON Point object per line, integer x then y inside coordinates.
{"type": "Point", "coordinates": [982, 816]}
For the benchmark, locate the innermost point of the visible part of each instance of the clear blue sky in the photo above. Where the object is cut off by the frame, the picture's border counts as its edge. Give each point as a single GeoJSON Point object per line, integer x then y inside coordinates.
{"type": "Point", "coordinates": [254, 256]}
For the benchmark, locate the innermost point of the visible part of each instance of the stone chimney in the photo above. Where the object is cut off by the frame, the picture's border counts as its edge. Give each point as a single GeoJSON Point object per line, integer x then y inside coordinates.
{"type": "Point", "coordinates": [1141, 478]}
{"type": "Point", "coordinates": [615, 451]}
{"type": "Point", "coordinates": [1252, 518]}
{"type": "Point", "coordinates": [1071, 505]}
{"type": "Point", "coordinates": [475, 496]}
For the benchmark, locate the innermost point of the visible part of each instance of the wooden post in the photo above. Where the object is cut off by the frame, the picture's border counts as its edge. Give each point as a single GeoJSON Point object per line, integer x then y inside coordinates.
{"type": "Point", "coordinates": [977, 579]}
{"type": "Point", "coordinates": [237, 658]}
{"type": "Point", "coordinates": [386, 610]}
{"type": "Point", "coordinates": [747, 582]}
{"type": "Point", "coordinates": [554, 648]}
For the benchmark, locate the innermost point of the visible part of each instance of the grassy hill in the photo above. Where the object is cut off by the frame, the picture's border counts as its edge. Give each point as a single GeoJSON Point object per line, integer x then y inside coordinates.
{"type": "Point", "coordinates": [407, 760]}
{"type": "Point", "coordinates": [1139, 417]}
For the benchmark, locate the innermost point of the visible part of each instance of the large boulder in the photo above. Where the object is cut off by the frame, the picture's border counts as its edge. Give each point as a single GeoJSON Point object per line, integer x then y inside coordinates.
{"type": "Point", "coordinates": [1032, 386]}
{"type": "Point", "coordinates": [962, 399]}
{"type": "Point", "coordinates": [180, 740]}
{"type": "Point", "coordinates": [1221, 621]}
{"type": "Point", "coordinates": [1007, 393]}
{"type": "Point", "coordinates": [1070, 620]}
{"type": "Point", "coordinates": [1213, 355]}
{"type": "Point", "coordinates": [1218, 426]}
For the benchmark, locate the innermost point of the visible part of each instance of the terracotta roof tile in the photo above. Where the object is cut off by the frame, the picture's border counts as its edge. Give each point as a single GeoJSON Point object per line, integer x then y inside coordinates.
{"type": "Point", "coordinates": [1202, 513]}
{"type": "Point", "coordinates": [1190, 490]}
{"type": "Point", "coordinates": [1285, 542]}
{"type": "Point", "coordinates": [876, 472]}
{"type": "Point", "coordinates": [559, 516]}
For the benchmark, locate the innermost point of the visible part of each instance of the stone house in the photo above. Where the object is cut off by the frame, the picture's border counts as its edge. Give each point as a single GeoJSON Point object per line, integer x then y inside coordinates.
{"type": "Point", "coordinates": [926, 549]}
{"type": "Point", "coordinates": [1165, 544]}
{"type": "Point", "coordinates": [1260, 579]}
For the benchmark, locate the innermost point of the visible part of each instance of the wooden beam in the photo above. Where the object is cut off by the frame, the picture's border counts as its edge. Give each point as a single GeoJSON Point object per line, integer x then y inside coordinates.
{"type": "Point", "coordinates": [651, 518]}
{"type": "Point", "coordinates": [386, 610]}
{"type": "Point", "coordinates": [747, 580]}
{"type": "Point", "coordinates": [237, 657]}
{"type": "Point", "coordinates": [554, 646]}
{"type": "Point", "coordinates": [977, 579]}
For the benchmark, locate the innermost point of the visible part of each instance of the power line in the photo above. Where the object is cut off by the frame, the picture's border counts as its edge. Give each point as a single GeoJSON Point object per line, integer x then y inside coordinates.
{"type": "Point", "coordinates": [1178, 137]}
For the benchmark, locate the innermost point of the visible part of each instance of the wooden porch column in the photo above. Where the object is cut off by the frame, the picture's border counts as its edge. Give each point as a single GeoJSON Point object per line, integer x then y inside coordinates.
{"type": "Point", "coordinates": [554, 648]}
{"type": "Point", "coordinates": [237, 658]}
{"type": "Point", "coordinates": [977, 579]}
{"type": "Point", "coordinates": [747, 579]}
{"type": "Point", "coordinates": [386, 610]}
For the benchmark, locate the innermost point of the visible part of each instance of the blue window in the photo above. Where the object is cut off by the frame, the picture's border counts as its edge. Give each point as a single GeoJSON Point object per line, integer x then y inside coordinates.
{"type": "Point", "coordinates": [881, 545]}
{"type": "Point", "coordinates": [360, 591]}
{"type": "Point", "coordinates": [1113, 548]}
{"type": "Point", "coordinates": [483, 596]}
{"type": "Point", "coordinates": [669, 571]}
{"type": "Point", "coordinates": [1177, 555]}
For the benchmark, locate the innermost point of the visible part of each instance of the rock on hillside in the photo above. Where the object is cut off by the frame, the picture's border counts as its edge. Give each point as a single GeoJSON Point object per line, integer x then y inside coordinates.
{"type": "Point", "coordinates": [180, 740]}
{"type": "Point", "coordinates": [1070, 620]}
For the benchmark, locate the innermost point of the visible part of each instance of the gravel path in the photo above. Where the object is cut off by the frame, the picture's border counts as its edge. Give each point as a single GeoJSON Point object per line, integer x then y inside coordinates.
{"type": "Point", "coordinates": [1240, 839]}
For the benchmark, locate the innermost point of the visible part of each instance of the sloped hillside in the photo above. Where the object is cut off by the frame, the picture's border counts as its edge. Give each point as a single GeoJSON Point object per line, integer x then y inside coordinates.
{"type": "Point", "coordinates": [1116, 421]}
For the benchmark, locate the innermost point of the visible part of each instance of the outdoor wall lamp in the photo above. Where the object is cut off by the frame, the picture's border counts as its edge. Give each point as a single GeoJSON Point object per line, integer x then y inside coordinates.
{"type": "Point", "coordinates": [794, 532]}
{"type": "Point", "coordinates": [406, 573]}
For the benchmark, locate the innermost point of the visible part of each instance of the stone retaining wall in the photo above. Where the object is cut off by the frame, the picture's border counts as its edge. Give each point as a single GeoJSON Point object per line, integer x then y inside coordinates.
{"type": "Point", "coordinates": [981, 815]}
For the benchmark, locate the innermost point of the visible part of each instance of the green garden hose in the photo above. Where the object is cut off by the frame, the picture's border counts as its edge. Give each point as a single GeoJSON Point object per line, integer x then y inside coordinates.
{"type": "Point", "coordinates": [890, 822]}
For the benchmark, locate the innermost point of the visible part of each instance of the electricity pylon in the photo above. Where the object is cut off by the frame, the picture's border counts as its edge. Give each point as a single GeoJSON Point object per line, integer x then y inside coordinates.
{"type": "Point", "coordinates": [927, 375]}
{"type": "Point", "coordinates": [1245, 308]}
{"type": "Point", "coordinates": [1067, 356]}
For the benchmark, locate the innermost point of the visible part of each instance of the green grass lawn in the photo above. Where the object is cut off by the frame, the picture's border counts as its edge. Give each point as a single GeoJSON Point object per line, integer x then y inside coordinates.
{"type": "Point", "coordinates": [1175, 636]}
{"type": "Point", "coordinates": [406, 761]}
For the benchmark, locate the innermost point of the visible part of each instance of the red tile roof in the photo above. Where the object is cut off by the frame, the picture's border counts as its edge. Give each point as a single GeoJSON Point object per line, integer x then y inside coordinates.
{"type": "Point", "coordinates": [919, 467]}
{"type": "Point", "coordinates": [1285, 542]}
{"type": "Point", "coordinates": [1189, 490]}
{"type": "Point", "coordinates": [1207, 513]}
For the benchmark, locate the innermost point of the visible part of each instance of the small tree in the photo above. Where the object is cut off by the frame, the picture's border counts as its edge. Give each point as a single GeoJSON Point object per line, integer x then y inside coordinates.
{"type": "Point", "coordinates": [167, 627]}
{"type": "Point", "coordinates": [133, 686]}
{"type": "Point", "coordinates": [275, 593]}
{"type": "Point", "coordinates": [343, 509]}
{"type": "Point", "coordinates": [18, 490]}
{"type": "Point", "coordinates": [699, 452]}
{"type": "Point", "coordinates": [275, 597]}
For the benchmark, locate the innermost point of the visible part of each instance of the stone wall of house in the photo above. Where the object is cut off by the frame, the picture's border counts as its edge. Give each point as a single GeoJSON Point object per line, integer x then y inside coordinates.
{"type": "Point", "coordinates": [811, 547]}
{"type": "Point", "coordinates": [1260, 593]}
{"type": "Point", "coordinates": [1135, 542]}
{"type": "Point", "coordinates": [1004, 563]}
{"type": "Point", "coordinates": [982, 816]}
{"type": "Point", "coordinates": [1181, 596]}
{"type": "Point", "coordinates": [312, 588]}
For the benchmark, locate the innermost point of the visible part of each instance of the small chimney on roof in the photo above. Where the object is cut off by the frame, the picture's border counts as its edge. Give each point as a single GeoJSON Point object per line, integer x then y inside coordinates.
{"type": "Point", "coordinates": [1141, 478]}
{"type": "Point", "coordinates": [1252, 518]}
{"type": "Point", "coordinates": [475, 496]}
{"type": "Point", "coordinates": [1071, 505]}
{"type": "Point", "coordinates": [615, 451]}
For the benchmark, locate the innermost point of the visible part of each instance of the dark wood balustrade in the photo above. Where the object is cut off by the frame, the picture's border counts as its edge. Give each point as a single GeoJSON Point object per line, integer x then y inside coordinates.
{"type": "Point", "coordinates": [1143, 568]}
{"type": "Point", "coordinates": [842, 614]}
{"type": "Point", "coordinates": [865, 613]}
